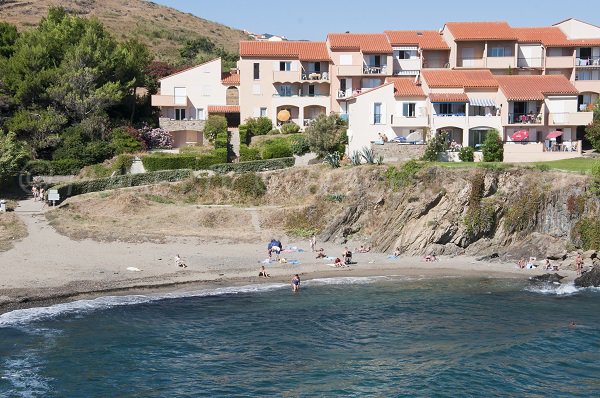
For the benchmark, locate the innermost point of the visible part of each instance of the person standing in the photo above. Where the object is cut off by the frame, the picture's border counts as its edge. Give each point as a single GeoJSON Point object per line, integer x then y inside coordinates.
{"type": "Point", "coordinates": [296, 283]}
{"type": "Point", "coordinates": [579, 263]}
{"type": "Point", "coordinates": [313, 243]}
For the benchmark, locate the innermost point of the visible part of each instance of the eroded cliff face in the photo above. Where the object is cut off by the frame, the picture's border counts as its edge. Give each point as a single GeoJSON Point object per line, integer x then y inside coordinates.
{"type": "Point", "coordinates": [514, 212]}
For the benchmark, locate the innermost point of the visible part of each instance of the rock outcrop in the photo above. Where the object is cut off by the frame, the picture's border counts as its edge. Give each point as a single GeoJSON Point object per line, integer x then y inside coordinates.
{"type": "Point", "coordinates": [547, 278]}
{"type": "Point", "coordinates": [590, 278]}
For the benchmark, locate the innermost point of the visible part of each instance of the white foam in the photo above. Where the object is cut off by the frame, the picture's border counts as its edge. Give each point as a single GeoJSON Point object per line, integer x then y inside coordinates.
{"type": "Point", "coordinates": [567, 289]}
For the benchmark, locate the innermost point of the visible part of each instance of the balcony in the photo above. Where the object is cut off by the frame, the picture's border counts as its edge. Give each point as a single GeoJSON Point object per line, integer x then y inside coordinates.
{"type": "Point", "coordinates": [570, 118]}
{"type": "Point", "coordinates": [284, 76]}
{"type": "Point", "coordinates": [168, 100]}
{"type": "Point", "coordinates": [301, 100]}
{"type": "Point", "coordinates": [315, 76]}
{"type": "Point", "coordinates": [179, 125]}
{"type": "Point", "coordinates": [564, 62]}
{"type": "Point", "coordinates": [470, 63]}
{"type": "Point", "coordinates": [525, 118]}
{"type": "Point", "coordinates": [588, 61]}
{"type": "Point", "coordinates": [486, 121]}
{"type": "Point", "coordinates": [375, 69]}
{"type": "Point", "coordinates": [529, 62]}
{"type": "Point", "coordinates": [442, 120]}
{"type": "Point", "coordinates": [500, 62]}
{"type": "Point", "coordinates": [349, 70]}
{"type": "Point", "coordinates": [408, 65]}
{"type": "Point", "coordinates": [409, 121]}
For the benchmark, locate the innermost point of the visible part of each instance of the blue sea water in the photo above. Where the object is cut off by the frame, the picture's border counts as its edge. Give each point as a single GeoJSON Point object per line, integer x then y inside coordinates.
{"type": "Point", "coordinates": [347, 337]}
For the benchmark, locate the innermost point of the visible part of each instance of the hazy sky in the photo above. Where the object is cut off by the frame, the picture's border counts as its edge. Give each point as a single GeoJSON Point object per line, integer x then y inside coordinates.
{"type": "Point", "coordinates": [313, 19]}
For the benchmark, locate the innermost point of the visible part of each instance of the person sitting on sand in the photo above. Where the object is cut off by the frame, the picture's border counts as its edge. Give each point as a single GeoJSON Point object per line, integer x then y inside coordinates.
{"type": "Point", "coordinates": [362, 249]}
{"type": "Point", "coordinates": [338, 262]}
{"type": "Point", "coordinates": [430, 258]}
{"type": "Point", "coordinates": [321, 253]}
{"type": "Point", "coordinates": [521, 263]}
{"type": "Point", "coordinates": [347, 254]}
{"type": "Point", "coordinates": [179, 262]}
{"type": "Point", "coordinates": [397, 252]}
{"type": "Point", "coordinates": [263, 272]}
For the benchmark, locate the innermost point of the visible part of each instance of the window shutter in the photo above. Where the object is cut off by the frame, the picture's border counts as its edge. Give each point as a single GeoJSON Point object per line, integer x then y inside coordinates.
{"type": "Point", "coordinates": [405, 109]}
{"type": "Point", "coordinates": [256, 112]}
{"type": "Point", "coordinates": [383, 114]}
{"type": "Point", "coordinates": [294, 66]}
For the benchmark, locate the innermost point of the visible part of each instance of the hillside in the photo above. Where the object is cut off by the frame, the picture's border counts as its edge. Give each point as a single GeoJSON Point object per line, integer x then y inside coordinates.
{"type": "Point", "coordinates": [161, 28]}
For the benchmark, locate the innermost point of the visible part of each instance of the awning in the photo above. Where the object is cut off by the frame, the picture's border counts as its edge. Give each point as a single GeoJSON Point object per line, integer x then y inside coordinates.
{"type": "Point", "coordinates": [223, 109]}
{"type": "Point", "coordinates": [436, 98]}
{"type": "Point", "coordinates": [482, 102]}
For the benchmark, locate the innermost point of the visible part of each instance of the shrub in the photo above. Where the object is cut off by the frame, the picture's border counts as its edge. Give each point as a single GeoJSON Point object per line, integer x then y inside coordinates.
{"type": "Point", "coordinates": [278, 148]}
{"type": "Point", "coordinates": [368, 155]}
{"type": "Point", "coordinates": [592, 133]}
{"type": "Point", "coordinates": [259, 125]}
{"type": "Point", "coordinates": [492, 147]}
{"type": "Point", "coordinates": [326, 134]}
{"type": "Point", "coordinates": [126, 140]}
{"type": "Point", "coordinates": [215, 125]}
{"type": "Point", "coordinates": [586, 233]}
{"type": "Point", "coordinates": [217, 156]}
{"type": "Point", "coordinates": [222, 140]}
{"type": "Point", "coordinates": [245, 135]}
{"type": "Point", "coordinates": [290, 128]}
{"type": "Point", "coordinates": [248, 154]}
{"type": "Point", "coordinates": [356, 158]}
{"type": "Point", "coordinates": [128, 180]}
{"type": "Point", "coordinates": [256, 166]}
{"type": "Point", "coordinates": [437, 144]}
{"type": "Point", "coordinates": [298, 145]}
{"type": "Point", "coordinates": [332, 159]}
{"type": "Point", "coordinates": [335, 197]}
{"type": "Point", "coordinates": [164, 161]}
{"type": "Point", "coordinates": [249, 185]}
{"type": "Point", "coordinates": [466, 154]}
{"type": "Point", "coordinates": [61, 167]}
{"type": "Point", "coordinates": [274, 131]}
{"type": "Point", "coordinates": [404, 176]}
{"type": "Point", "coordinates": [595, 181]}
{"type": "Point", "coordinates": [157, 138]}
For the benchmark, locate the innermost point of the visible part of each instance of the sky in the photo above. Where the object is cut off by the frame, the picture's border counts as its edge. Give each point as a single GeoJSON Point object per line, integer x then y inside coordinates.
{"type": "Point", "coordinates": [313, 19]}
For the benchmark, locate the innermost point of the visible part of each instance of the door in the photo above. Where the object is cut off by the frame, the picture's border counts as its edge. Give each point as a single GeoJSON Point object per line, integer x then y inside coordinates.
{"type": "Point", "coordinates": [311, 90]}
{"type": "Point", "coordinates": [519, 109]}
{"type": "Point", "coordinates": [468, 56]}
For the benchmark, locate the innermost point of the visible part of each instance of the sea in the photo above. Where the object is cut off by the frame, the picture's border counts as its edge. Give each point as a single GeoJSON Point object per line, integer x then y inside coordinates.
{"type": "Point", "coordinates": [392, 336]}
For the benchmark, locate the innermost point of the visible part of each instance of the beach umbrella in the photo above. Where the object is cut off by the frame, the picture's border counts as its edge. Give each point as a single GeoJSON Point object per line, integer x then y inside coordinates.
{"type": "Point", "coordinates": [554, 134]}
{"type": "Point", "coordinates": [283, 115]}
{"type": "Point", "coordinates": [416, 136]}
{"type": "Point", "coordinates": [520, 135]}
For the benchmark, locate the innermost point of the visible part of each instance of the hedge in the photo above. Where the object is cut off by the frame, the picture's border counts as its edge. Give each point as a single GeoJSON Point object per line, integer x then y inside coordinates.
{"type": "Point", "coordinates": [128, 180]}
{"type": "Point", "coordinates": [255, 166]}
{"type": "Point", "coordinates": [168, 162]}
{"type": "Point", "coordinates": [203, 162]}
{"type": "Point", "coordinates": [61, 167]}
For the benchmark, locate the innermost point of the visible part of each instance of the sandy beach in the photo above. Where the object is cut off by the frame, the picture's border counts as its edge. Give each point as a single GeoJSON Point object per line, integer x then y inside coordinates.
{"type": "Point", "coordinates": [47, 267]}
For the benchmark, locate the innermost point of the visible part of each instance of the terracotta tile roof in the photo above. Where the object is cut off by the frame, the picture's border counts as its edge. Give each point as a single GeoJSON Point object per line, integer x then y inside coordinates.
{"type": "Point", "coordinates": [424, 39]}
{"type": "Point", "coordinates": [470, 31]}
{"type": "Point", "coordinates": [459, 78]}
{"type": "Point", "coordinates": [585, 42]}
{"type": "Point", "coordinates": [302, 50]}
{"type": "Point", "coordinates": [405, 87]}
{"type": "Point", "coordinates": [534, 87]}
{"type": "Point", "coordinates": [230, 79]}
{"type": "Point", "coordinates": [548, 36]}
{"type": "Point", "coordinates": [223, 109]}
{"type": "Point", "coordinates": [363, 42]}
{"type": "Point", "coordinates": [448, 97]}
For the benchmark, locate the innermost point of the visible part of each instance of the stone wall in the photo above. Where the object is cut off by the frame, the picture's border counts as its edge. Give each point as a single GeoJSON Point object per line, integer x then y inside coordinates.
{"type": "Point", "coordinates": [393, 152]}
{"type": "Point", "coordinates": [178, 125]}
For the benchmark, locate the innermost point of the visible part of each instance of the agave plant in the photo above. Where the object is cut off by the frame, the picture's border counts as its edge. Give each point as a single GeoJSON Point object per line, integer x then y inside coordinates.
{"type": "Point", "coordinates": [368, 155]}
{"type": "Point", "coordinates": [332, 159]}
{"type": "Point", "coordinates": [379, 160]}
{"type": "Point", "coordinates": [356, 158]}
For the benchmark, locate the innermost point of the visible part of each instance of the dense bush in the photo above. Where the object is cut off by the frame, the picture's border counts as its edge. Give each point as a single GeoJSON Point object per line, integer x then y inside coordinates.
{"type": "Point", "coordinates": [289, 128]}
{"type": "Point", "coordinates": [278, 148]}
{"type": "Point", "coordinates": [248, 154]}
{"type": "Point", "coordinates": [249, 185]}
{"type": "Point", "coordinates": [245, 135]}
{"type": "Point", "coordinates": [259, 125]}
{"type": "Point", "coordinates": [217, 156]}
{"type": "Point", "coordinates": [127, 140]}
{"type": "Point", "coordinates": [75, 145]}
{"type": "Point", "coordinates": [61, 167]}
{"type": "Point", "coordinates": [492, 147]}
{"type": "Point", "coordinates": [299, 145]}
{"type": "Point", "coordinates": [404, 176]}
{"type": "Point", "coordinates": [14, 154]}
{"type": "Point", "coordinates": [128, 180]}
{"type": "Point", "coordinates": [466, 154]}
{"type": "Point", "coordinates": [215, 125]}
{"type": "Point", "coordinates": [222, 140]}
{"type": "Point", "coordinates": [437, 144]}
{"type": "Point", "coordinates": [157, 138]}
{"type": "Point", "coordinates": [163, 161]}
{"type": "Point", "coordinates": [257, 165]}
{"type": "Point", "coordinates": [326, 134]}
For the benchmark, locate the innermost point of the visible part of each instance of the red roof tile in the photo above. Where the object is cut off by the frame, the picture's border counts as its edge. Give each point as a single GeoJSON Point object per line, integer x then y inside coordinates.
{"type": "Point", "coordinates": [424, 39]}
{"type": "Point", "coordinates": [223, 109]}
{"type": "Point", "coordinates": [448, 97]}
{"type": "Point", "coordinates": [470, 31]}
{"type": "Point", "coordinates": [534, 87]}
{"type": "Point", "coordinates": [230, 79]}
{"type": "Point", "coordinates": [405, 87]}
{"type": "Point", "coordinates": [459, 78]}
{"type": "Point", "coordinates": [302, 50]}
{"type": "Point", "coordinates": [548, 36]}
{"type": "Point", "coordinates": [363, 42]}
{"type": "Point", "coordinates": [585, 42]}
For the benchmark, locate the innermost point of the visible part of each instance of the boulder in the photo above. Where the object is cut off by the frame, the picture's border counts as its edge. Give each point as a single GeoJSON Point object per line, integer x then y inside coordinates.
{"type": "Point", "coordinates": [589, 254]}
{"type": "Point", "coordinates": [590, 278]}
{"type": "Point", "coordinates": [546, 278]}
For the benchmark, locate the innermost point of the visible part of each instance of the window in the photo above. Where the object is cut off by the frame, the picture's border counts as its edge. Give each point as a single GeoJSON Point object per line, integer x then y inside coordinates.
{"type": "Point", "coordinates": [200, 113]}
{"type": "Point", "coordinates": [311, 90]}
{"type": "Point", "coordinates": [256, 71]}
{"type": "Point", "coordinates": [317, 67]}
{"type": "Point", "coordinates": [377, 113]}
{"type": "Point", "coordinates": [408, 109]}
{"type": "Point", "coordinates": [499, 52]}
{"type": "Point", "coordinates": [179, 113]}
{"type": "Point", "coordinates": [285, 90]}
{"type": "Point", "coordinates": [406, 54]}
{"type": "Point", "coordinates": [446, 109]}
{"type": "Point", "coordinates": [477, 137]}
{"type": "Point", "coordinates": [263, 112]}
{"type": "Point", "coordinates": [583, 75]}
{"type": "Point", "coordinates": [284, 66]}
{"type": "Point", "coordinates": [371, 83]}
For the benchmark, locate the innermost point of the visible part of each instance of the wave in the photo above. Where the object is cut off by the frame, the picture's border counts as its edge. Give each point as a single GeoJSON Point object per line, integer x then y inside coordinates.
{"type": "Point", "coordinates": [566, 289]}
{"type": "Point", "coordinates": [26, 316]}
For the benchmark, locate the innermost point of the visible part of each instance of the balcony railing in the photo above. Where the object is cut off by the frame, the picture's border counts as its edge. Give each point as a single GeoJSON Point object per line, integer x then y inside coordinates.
{"type": "Point", "coordinates": [471, 62]}
{"type": "Point", "coordinates": [529, 62]}
{"type": "Point", "coordinates": [374, 69]}
{"type": "Point", "coordinates": [315, 76]}
{"type": "Point", "coordinates": [299, 95]}
{"type": "Point", "coordinates": [587, 61]}
{"type": "Point", "coordinates": [570, 118]}
{"type": "Point", "coordinates": [348, 93]}
{"type": "Point", "coordinates": [435, 63]}
{"type": "Point", "coordinates": [524, 118]}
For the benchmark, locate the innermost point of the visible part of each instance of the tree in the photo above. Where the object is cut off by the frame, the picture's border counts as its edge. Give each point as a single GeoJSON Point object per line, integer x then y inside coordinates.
{"type": "Point", "coordinates": [8, 37]}
{"type": "Point", "coordinates": [215, 125]}
{"type": "Point", "coordinates": [13, 156]}
{"type": "Point", "coordinates": [39, 127]}
{"type": "Point", "coordinates": [592, 133]}
{"type": "Point", "coordinates": [259, 125]}
{"type": "Point", "coordinates": [437, 144]}
{"type": "Point", "coordinates": [326, 134]}
{"type": "Point", "coordinates": [492, 147]}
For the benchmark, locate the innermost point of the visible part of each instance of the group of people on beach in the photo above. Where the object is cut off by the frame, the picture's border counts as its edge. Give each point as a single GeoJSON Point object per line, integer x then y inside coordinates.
{"type": "Point", "coordinates": [548, 265]}
{"type": "Point", "coordinates": [39, 193]}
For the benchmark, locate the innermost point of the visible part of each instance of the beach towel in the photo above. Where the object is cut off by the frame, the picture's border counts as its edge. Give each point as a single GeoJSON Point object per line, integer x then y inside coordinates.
{"type": "Point", "coordinates": [330, 258]}
{"type": "Point", "coordinates": [133, 269]}
{"type": "Point", "coordinates": [294, 262]}
{"type": "Point", "coordinates": [392, 256]}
